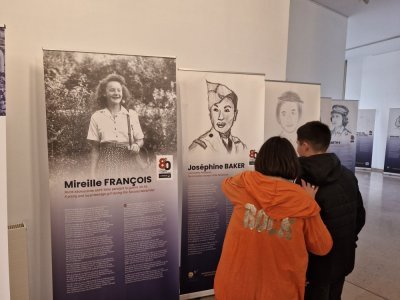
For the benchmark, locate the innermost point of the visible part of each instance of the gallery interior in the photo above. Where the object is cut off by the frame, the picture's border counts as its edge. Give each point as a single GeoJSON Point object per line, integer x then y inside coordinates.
{"type": "Point", "coordinates": [350, 47]}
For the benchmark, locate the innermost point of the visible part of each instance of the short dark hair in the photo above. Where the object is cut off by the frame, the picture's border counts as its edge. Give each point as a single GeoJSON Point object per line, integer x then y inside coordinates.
{"type": "Point", "coordinates": [277, 157]}
{"type": "Point", "coordinates": [316, 133]}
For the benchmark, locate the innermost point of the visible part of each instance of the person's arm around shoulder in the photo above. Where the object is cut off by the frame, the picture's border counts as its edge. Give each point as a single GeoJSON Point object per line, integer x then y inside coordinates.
{"type": "Point", "coordinates": [360, 213]}
{"type": "Point", "coordinates": [317, 237]}
{"type": "Point", "coordinates": [232, 188]}
{"type": "Point", "coordinates": [360, 221]}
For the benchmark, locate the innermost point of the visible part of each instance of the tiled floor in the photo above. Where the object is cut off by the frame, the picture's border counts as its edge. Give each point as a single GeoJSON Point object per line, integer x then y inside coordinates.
{"type": "Point", "coordinates": [377, 272]}
{"type": "Point", "coordinates": [378, 254]}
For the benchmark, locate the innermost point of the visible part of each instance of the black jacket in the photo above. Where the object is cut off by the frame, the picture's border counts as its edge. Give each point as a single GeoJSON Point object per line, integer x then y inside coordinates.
{"type": "Point", "coordinates": [342, 211]}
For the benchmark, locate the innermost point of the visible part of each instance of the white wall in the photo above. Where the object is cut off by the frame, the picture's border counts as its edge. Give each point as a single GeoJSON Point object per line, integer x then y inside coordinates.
{"type": "Point", "coordinates": [231, 35]}
{"type": "Point", "coordinates": [373, 73]}
{"type": "Point", "coordinates": [316, 48]}
{"type": "Point", "coordinates": [4, 281]}
{"type": "Point", "coordinates": [353, 77]}
{"type": "Point", "coordinates": [380, 90]}
{"type": "Point", "coordinates": [378, 20]}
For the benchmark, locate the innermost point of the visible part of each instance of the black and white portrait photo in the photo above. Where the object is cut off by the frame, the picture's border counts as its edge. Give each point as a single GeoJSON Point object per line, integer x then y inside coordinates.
{"type": "Point", "coordinates": [108, 114]}
{"type": "Point", "coordinates": [222, 107]}
{"type": "Point", "coordinates": [288, 106]}
{"type": "Point", "coordinates": [2, 74]}
{"type": "Point", "coordinates": [115, 134]}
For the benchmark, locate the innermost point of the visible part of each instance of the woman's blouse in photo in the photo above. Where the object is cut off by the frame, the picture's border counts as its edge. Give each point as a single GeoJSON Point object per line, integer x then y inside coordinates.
{"type": "Point", "coordinates": [106, 127]}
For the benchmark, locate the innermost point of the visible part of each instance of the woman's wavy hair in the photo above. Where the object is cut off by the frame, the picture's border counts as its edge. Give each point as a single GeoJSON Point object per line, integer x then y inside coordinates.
{"type": "Point", "coordinates": [277, 157]}
{"type": "Point", "coordinates": [99, 96]}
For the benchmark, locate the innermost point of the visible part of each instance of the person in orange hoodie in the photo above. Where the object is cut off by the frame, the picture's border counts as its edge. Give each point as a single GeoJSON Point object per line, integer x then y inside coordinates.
{"type": "Point", "coordinates": [273, 226]}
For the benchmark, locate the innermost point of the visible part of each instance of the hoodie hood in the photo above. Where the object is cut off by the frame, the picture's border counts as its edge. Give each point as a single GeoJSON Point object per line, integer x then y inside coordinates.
{"type": "Point", "coordinates": [321, 169]}
{"type": "Point", "coordinates": [278, 197]}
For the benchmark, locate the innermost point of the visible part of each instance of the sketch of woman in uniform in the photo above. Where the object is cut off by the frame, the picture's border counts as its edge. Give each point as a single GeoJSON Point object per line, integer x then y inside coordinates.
{"type": "Point", "coordinates": [222, 106]}
{"type": "Point", "coordinates": [288, 115]}
{"type": "Point", "coordinates": [339, 121]}
{"type": "Point", "coordinates": [397, 122]}
{"type": "Point", "coordinates": [114, 132]}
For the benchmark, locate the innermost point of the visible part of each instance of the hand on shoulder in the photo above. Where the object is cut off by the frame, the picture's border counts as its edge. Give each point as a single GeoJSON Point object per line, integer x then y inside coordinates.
{"type": "Point", "coordinates": [309, 188]}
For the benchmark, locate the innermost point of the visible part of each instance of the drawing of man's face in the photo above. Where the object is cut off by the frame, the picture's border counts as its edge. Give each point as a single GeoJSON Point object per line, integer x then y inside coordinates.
{"type": "Point", "coordinates": [288, 116]}
{"type": "Point", "coordinates": [223, 115]}
{"type": "Point", "coordinates": [337, 120]}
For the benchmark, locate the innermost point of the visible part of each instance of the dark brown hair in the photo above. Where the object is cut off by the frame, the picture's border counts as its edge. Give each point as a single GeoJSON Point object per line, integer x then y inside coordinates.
{"type": "Point", "coordinates": [316, 133]}
{"type": "Point", "coordinates": [277, 157]}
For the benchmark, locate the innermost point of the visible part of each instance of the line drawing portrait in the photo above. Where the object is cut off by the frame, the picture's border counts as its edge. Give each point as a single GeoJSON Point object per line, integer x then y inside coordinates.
{"type": "Point", "coordinates": [397, 122]}
{"type": "Point", "coordinates": [339, 120]}
{"type": "Point", "coordinates": [222, 107]}
{"type": "Point", "coordinates": [114, 133]}
{"type": "Point", "coordinates": [288, 114]}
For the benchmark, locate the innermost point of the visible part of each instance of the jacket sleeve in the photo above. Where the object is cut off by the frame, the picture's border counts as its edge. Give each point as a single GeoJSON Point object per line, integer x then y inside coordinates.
{"type": "Point", "coordinates": [232, 189]}
{"type": "Point", "coordinates": [317, 237]}
{"type": "Point", "coordinates": [360, 221]}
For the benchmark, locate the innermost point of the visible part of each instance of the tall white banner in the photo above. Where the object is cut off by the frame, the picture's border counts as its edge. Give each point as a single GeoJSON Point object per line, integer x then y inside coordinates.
{"type": "Point", "coordinates": [4, 277]}
{"type": "Point", "coordinates": [365, 137]}
{"type": "Point", "coordinates": [392, 153]}
{"type": "Point", "coordinates": [222, 130]}
{"type": "Point", "coordinates": [341, 117]}
{"type": "Point", "coordinates": [112, 136]}
{"type": "Point", "coordinates": [288, 106]}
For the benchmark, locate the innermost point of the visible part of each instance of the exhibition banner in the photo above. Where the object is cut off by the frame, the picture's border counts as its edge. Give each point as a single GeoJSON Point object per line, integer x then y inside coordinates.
{"type": "Point", "coordinates": [4, 268]}
{"type": "Point", "coordinates": [223, 121]}
{"type": "Point", "coordinates": [365, 137]}
{"type": "Point", "coordinates": [288, 106]}
{"type": "Point", "coordinates": [392, 154]}
{"type": "Point", "coordinates": [112, 149]}
{"type": "Point", "coordinates": [341, 117]}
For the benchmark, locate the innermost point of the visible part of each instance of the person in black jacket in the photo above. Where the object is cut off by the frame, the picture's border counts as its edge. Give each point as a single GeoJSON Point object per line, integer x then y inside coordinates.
{"type": "Point", "coordinates": [342, 211]}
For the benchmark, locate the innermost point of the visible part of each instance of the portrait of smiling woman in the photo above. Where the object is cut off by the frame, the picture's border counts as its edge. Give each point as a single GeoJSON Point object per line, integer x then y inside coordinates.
{"type": "Point", "coordinates": [222, 106]}
{"type": "Point", "coordinates": [114, 132]}
{"type": "Point", "coordinates": [90, 100]}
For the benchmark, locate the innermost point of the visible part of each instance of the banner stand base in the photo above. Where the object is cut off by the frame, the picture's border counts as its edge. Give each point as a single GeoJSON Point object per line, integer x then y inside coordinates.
{"type": "Point", "coordinates": [363, 169]}
{"type": "Point", "coordinates": [391, 174]}
{"type": "Point", "coordinates": [197, 295]}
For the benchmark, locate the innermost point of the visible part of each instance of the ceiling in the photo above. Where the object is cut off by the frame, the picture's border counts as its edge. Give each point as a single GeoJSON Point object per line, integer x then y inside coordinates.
{"type": "Point", "coordinates": [344, 7]}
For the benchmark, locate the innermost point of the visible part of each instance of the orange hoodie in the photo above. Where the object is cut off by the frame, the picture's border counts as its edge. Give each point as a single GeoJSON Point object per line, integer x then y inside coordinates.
{"type": "Point", "coordinates": [273, 225]}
